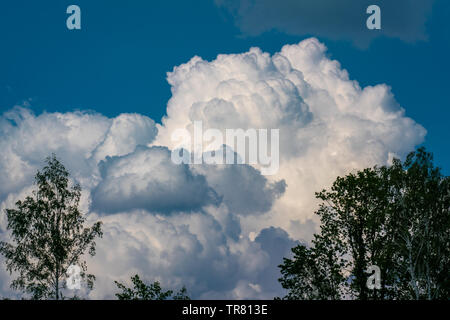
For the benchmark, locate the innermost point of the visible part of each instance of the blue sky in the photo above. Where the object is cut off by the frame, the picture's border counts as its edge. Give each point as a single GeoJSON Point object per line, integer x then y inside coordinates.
{"type": "Point", "coordinates": [118, 61]}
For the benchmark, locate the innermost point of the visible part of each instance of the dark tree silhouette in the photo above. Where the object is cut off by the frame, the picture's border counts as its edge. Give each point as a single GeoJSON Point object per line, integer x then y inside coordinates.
{"type": "Point", "coordinates": [142, 291]}
{"type": "Point", "coordinates": [48, 235]}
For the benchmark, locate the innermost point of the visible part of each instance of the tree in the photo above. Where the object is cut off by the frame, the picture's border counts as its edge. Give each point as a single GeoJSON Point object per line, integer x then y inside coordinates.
{"type": "Point", "coordinates": [422, 229]}
{"type": "Point", "coordinates": [142, 291]}
{"type": "Point", "coordinates": [48, 235]}
{"type": "Point", "coordinates": [396, 217]}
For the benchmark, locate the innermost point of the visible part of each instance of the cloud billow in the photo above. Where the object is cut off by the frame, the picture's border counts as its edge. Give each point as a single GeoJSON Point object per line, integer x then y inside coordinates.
{"type": "Point", "coordinates": [242, 188]}
{"type": "Point", "coordinates": [220, 230]}
{"type": "Point", "coordinates": [147, 179]}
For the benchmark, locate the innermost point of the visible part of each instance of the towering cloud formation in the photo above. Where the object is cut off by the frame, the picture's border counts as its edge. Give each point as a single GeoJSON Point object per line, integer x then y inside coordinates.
{"type": "Point", "coordinates": [328, 124]}
{"type": "Point", "coordinates": [220, 230]}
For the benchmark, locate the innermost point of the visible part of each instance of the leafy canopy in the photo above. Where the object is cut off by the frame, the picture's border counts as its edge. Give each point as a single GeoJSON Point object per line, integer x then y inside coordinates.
{"type": "Point", "coordinates": [142, 291]}
{"type": "Point", "coordinates": [395, 217]}
{"type": "Point", "coordinates": [48, 235]}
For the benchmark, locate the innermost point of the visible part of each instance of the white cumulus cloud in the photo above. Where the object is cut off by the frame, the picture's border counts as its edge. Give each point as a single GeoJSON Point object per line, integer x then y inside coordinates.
{"type": "Point", "coordinates": [220, 230]}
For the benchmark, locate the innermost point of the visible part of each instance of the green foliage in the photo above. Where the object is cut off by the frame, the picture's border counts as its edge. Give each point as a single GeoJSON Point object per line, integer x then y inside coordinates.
{"type": "Point", "coordinates": [142, 291]}
{"type": "Point", "coordinates": [395, 217]}
{"type": "Point", "coordinates": [48, 235]}
{"type": "Point", "coordinates": [311, 274]}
